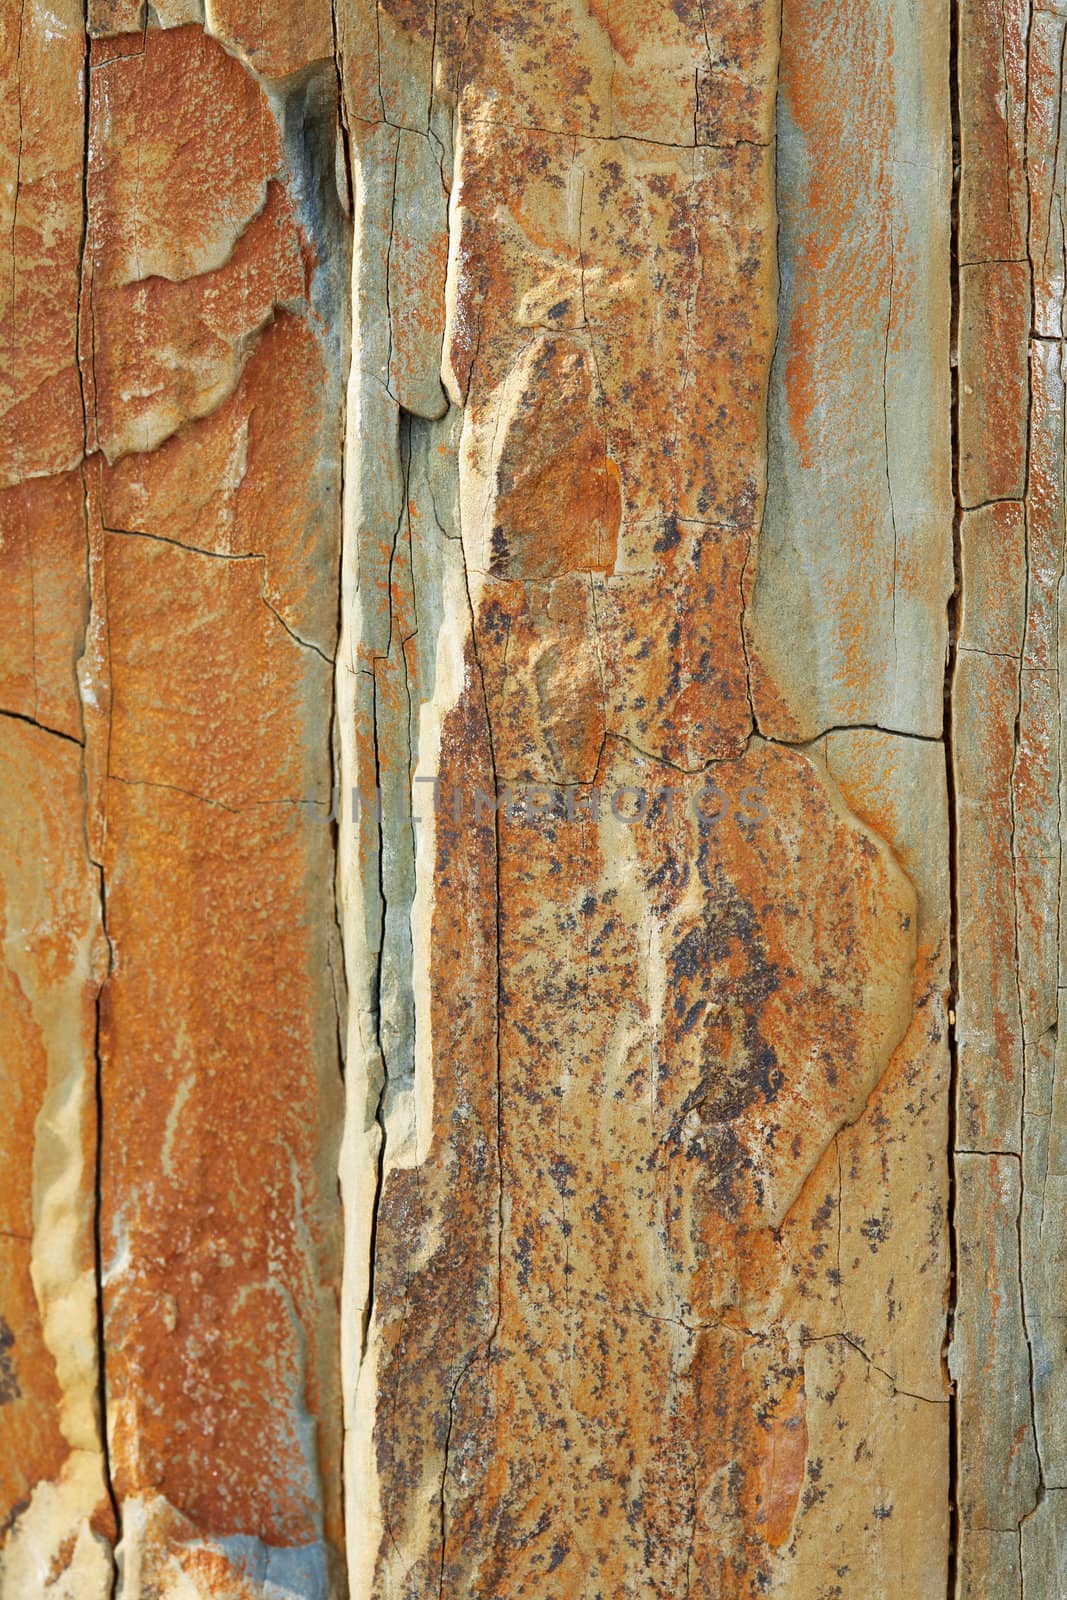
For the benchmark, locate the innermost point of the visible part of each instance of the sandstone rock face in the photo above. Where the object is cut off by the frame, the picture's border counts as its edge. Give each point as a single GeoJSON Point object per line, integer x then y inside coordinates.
{"type": "Point", "coordinates": [532, 539]}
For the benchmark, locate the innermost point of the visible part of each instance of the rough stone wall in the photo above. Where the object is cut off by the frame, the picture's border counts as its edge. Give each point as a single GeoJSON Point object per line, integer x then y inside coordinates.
{"type": "Point", "coordinates": [530, 537]}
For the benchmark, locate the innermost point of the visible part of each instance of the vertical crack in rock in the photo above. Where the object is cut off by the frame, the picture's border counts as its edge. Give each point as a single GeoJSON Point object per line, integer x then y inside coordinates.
{"type": "Point", "coordinates": [379, 1104]}
{"type": "Point", "coordinates": [1007, 744]}
{"type": "Point", "coordinates": [655, 1321]}
{"type": "Point", "coordinates": [84, 290]}
{"type": "Point", "coordinates": [342, 292]}
{"type": "Point", "coordinates": [1029, 1065]}
{"type": "Point", "coordinates": [251, 476]}
{"type": "Point", "coordinates": [344, 155]}
{"type": "Point", "coordinates": [391, 966]}
{"type": "Point", "coordinates": [98, 1211]}
{"type": "Point", "coordinates": [749, 565]}
{"type": "Point", "coordinates": [953, 909]}
{"type": "Point", "coordinates": [608, 648]}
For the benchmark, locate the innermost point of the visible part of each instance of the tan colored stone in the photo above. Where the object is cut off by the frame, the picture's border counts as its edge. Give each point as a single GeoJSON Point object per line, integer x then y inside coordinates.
{"type": "Point", "coordinates": [216, 1173]}
{"type": "Point", "coordinates": [622, 1180]}
{"type": "Point", "coordinates": [989, 1562]}
{"type": "Point", "coordinates": [417, 258]}
{"type": "Point", "coordinates": [1044, 1542]}
{"type": "Point", "coordinates": [1008, 738]}
{"type": "Point", "coordinates": [180, 288]}
{"type": "Point", "coordinates": [989, 1028]}
{"type": "Point", "coordinates": [56, 1519]}
{"type": "Point", "coordinates": [253, 479]}
{"type": "Point", "coordinates": [649, 1000]}
{"type": "Point", "coordinates": [999, 1472]}
{"type": "Point", "coordinates": [1044, 154]}
{"type": "Point", "coordinates": [613, 216]}
{"type": "Point", "coordinates": [42, 61]}
{"type": "Point", "coordinates": [209, 356]}
{"type": "Point", "coordinates": [892, 1165]}
{"type": "Point", "coordinates": [43, 599]}
{"type": "Point", "coordinates": [993, 599]}
{"type": "Point", "coordinates": [275, 41]}
{"type": "Point", "coordinates": [108, 17]}
{"type": "Point", "coordinates": [891, 1540]}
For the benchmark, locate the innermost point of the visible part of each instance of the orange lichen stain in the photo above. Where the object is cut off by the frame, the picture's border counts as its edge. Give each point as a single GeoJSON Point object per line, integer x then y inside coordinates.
{"type": "Point", "coordinates": [240, 481]}
{"type": "Point", "coordinates": [41, 66]}
{"type": "Point", "coordinates": [782, 1461]}
{"type": "Point", "coordinates": [220, 1207]}
{"type": "Point", "coordinates": [626, 23]}
{"type": "Point", "coordinates": [1022, 1434]}
{"type": "Point", "coordinates": [280, 39]}
{"type": "Point", "coordinates": [994, 394]}
{"type": "Point", "coordinates": [61, 1559]}
{"type": "Point", "coordinates": [184, 342]}
{"type": "Point", "coordinates": [165, 200]}
{"type": "Point", "coordinates": [559, 494]}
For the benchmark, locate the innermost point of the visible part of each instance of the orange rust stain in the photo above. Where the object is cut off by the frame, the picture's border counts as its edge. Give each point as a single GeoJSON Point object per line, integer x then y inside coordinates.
{"type": "Point", "coordinates": [220, 1207]}
{"type": "Point", "coordinates": [43, 119]}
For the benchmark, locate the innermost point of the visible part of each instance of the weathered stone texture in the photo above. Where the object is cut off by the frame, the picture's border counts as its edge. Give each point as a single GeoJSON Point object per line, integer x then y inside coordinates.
{"type": "Point", "coordinates": [1008, 1351]}
{"type": "Point", "coordinates": [170, 546]}
{"type": "Point", "coordinates": [645, 1174]}
{"type": "Point", "coordinates": [993, 330]}
{"type": "Point", "coordinates": [42, 62]}
{"type": "Point", "coordinates": [847, 617]}
{"type": "Point", "coordinates": [492, 499]}
{"type": "Point", "coordinates": [999, 1469]}
{"type": "Point", "coordinates": [57, 1519]}
{"type": "Point", "coordinates": [213, 627]}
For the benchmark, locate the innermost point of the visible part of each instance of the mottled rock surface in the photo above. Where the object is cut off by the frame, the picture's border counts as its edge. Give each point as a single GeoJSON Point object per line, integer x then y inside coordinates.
{"type": "Point", "coordinates": [171, 445]}
{"type": "Point", "coordinates": [646, 1168]}
{"type": "Point", "coordinates": [531, 541]}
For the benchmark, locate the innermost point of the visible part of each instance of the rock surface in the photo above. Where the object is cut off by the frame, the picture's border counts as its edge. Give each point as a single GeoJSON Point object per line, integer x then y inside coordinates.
{"type": "Point", "coordinates": [173, 986]}
{"type": "Point", "coordinates": [1008, 1345]}
{"type": "Point", "coordinates": [646, 1163]}
{"type": "Point", "coordinates": [530, 781]}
